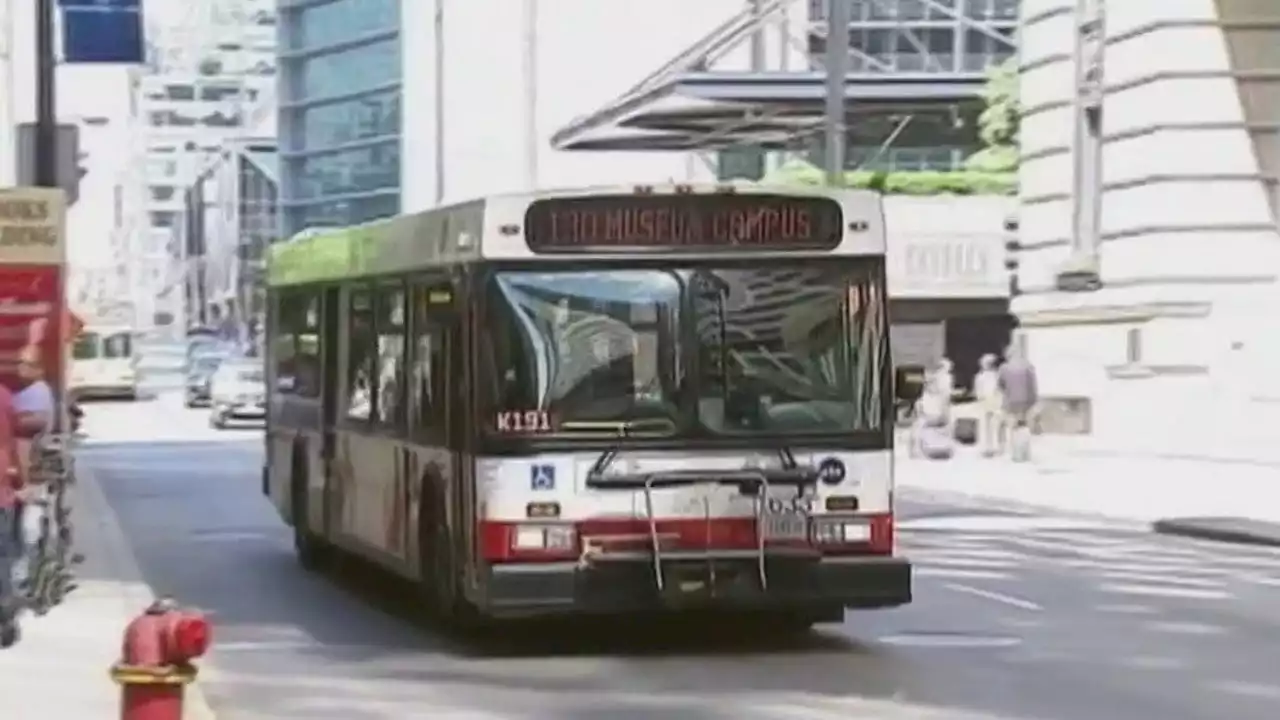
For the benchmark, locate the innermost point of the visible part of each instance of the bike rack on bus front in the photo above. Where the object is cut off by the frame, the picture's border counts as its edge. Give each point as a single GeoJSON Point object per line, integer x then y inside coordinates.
{"type": "Point", "coordinates": [753, 483]}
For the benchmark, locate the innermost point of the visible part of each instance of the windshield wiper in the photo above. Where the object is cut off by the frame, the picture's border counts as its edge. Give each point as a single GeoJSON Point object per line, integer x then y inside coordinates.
{"type": "Point", "coordinates": [622, 428]}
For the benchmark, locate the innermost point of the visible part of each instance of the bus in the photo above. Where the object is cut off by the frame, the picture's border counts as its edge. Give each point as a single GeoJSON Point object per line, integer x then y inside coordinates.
{"type": "Point", "coordinates": [103, 364]}
{"type": "Point", "coordinates": [657, 400]}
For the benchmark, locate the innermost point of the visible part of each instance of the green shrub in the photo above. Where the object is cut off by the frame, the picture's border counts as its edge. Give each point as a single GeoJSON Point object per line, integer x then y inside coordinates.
{"type": "Point", "coordinates": [917, 183]}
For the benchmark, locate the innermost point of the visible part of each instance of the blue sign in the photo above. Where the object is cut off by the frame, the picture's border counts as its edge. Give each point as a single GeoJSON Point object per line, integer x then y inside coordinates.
{"type": "Point", "coordinates": [103, 31]}
{"type": "Point", "coordinates": [831, 471]}
{"type": "Point", "coordinates": [542, 477]}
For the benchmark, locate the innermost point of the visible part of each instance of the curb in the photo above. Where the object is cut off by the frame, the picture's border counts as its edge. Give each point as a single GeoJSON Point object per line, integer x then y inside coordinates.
{"type": "Point", "coordinates": [1209, 529]}
{"type": "Point", "coordinates": [137, 594]}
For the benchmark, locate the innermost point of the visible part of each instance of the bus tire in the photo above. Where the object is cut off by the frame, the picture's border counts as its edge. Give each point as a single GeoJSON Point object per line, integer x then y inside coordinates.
{"type": "Point", "coordinates": [310, 549]}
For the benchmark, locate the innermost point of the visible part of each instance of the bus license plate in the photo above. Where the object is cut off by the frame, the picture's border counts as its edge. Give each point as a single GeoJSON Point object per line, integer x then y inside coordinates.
{"type": "Point", "coordinates": [786, 526]}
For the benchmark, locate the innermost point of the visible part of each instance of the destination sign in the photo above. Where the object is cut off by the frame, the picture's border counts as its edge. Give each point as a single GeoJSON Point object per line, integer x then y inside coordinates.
{"type": "Point", "coordinates": [620, 223]}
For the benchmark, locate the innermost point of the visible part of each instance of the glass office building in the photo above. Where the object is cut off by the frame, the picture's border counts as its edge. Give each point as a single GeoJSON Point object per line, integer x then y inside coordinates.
{"type": "Point", "coordinates": [340, 118]}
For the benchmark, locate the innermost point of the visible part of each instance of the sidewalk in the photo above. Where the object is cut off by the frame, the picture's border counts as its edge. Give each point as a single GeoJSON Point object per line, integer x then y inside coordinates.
{"type": "Point", "coordinates": [59, 669]}
{"type": "Point", "coordinates": [1230, 499]}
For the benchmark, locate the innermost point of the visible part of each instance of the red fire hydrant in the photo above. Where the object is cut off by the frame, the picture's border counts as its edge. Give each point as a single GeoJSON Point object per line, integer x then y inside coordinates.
{"type": "Point", "coordinates": [155, 663]}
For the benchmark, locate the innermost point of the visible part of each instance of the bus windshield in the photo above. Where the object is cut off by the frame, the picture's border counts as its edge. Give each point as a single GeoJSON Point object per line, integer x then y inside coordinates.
{"type": "Point", "coordinates": [779, 350]}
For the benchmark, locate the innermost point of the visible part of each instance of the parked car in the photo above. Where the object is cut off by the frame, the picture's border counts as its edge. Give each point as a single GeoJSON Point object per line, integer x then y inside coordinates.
{"type": "Point", "coordinates": [237, 392]}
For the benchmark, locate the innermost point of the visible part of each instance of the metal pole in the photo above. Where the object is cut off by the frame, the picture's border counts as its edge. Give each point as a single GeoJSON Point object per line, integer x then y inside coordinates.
{"type": "Point", "coordinates": [530, 41]}
{"type": "Point", "coordinates": [8, 119]}
{"type": "Point", "coordinates": [758, 56]}
{"type": "Point", "coordinates": [46, 130]}
{"type": "Point", "coordinates": [839, 15]}
{"type": "Point", "coordinates": [439, 101]}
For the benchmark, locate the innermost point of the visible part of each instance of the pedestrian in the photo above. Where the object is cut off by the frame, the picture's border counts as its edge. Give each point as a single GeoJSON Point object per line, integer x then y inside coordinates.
{"type": "Point", "coordinates": [33, 400]}
{"type": "Point", "coordinates": [933, 435]}
{"type": "Point", "coordinates": [12, 535]}
{"type": "Point", "coordinates": [986, 391]}
{"type": "Point", "coordinates": [1020, 393]}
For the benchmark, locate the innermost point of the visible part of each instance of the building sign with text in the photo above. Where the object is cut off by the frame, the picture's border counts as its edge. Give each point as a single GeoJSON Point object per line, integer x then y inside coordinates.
{"type": "Point", "coordinates": [34, 325]}
{"type": "Point", "coordinates": [32, 225]}
{"type": "Point", "coordinates": [946, 248]}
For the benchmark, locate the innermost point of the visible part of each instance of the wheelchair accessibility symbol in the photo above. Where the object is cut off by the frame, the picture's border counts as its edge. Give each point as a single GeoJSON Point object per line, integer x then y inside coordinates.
{"type": "Point", "coordinates": [542, 477]}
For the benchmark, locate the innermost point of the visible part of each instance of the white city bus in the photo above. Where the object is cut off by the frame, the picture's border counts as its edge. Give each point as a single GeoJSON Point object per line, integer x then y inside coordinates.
{"type": "Point", "coordinates": [103, 365]}
{"type": "Point", "coordinates": [613, 401]}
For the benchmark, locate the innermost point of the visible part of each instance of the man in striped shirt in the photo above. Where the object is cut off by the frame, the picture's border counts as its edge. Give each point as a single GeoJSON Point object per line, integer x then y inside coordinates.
{"type": "Point", "coordinates": [12, 545]}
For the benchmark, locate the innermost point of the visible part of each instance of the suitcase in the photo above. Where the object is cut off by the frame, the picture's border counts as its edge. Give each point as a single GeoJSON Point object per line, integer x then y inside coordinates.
{"type": "Point", "coordinates": [1020, 443]}
{"type": "Point", "coordinates": [966, 431]}
{"type": "Point", "coordinates": [936, 443]}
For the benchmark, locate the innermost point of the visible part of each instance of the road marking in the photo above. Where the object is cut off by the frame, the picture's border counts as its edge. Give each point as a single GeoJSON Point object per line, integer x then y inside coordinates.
{"type": "Point", "coordinates": [1163, 591]}
{"type": "Point", "coordinates": [993, 596]}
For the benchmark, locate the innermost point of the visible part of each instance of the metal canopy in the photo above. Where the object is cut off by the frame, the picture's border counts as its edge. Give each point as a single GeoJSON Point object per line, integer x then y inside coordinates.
{"type": "Point", "coordinates": [698, 110]}
{"type": "Point", "coordinates": [682, 106]}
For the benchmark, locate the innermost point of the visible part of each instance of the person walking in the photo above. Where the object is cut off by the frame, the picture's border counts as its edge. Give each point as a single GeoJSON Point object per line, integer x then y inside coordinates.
{"type": "Point", "coordinates": [986, 391]}
{"type": "Point", "coordinates": [1020, 393]}
{"type": "Point", "coordinates": [933, 432]}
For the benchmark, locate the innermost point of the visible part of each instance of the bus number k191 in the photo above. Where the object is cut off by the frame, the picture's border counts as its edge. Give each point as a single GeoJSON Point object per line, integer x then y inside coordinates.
{"type": "Point", "coordinates": [523, 421]}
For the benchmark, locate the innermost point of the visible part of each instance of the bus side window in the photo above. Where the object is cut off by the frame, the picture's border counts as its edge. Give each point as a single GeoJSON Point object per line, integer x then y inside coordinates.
{"type": "Point", "coordinates": [307, 346]}
{"type": "Point", "coordinates": [391, 326]}
{"type": "Point", "coordinates": [284, 345]}
{"type": "Point", "coordinates": [360, 344]}
{"type": "Point", "coordinates": [428, 382]}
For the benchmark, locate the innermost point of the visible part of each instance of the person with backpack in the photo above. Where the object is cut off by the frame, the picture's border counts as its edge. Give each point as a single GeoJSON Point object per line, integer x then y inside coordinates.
{"type": "Point", "coordinates": [1020, 394]}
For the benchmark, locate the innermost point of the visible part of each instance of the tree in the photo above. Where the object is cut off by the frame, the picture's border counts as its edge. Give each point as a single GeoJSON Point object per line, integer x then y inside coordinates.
{"type": "Point", "coordinates": [998, 123]}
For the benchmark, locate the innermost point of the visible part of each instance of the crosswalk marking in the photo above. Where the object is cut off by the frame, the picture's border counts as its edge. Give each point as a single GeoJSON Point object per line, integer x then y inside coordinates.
{"type": "Point", "coordinates": [1113, 561]}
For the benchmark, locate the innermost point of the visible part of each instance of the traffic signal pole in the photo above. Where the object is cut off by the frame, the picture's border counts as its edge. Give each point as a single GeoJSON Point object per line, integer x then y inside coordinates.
{"type": "Point", "coordinates": [46, 126]}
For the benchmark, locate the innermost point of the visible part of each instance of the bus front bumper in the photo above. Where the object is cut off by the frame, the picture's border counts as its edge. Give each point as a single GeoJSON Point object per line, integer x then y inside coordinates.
{"type": "Point", "coordinates": [533, 589]}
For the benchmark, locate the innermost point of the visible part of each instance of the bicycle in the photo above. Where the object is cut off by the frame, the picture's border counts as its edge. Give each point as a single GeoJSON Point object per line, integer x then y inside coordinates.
{"type": "Point", "coordinates": [50, 577]}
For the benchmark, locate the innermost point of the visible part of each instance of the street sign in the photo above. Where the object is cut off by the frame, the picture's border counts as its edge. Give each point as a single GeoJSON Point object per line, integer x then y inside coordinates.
{"type": "Point", "coordinates": [102, 31]}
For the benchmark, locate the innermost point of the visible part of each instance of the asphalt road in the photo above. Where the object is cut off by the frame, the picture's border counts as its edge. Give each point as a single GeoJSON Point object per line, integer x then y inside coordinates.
{"type": "Point", "coordinates": [1018, 616]}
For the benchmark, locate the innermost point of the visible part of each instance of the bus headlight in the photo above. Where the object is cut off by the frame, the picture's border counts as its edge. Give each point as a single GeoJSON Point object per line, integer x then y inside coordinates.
{"type": "Point", "coordinates": [543, 537]}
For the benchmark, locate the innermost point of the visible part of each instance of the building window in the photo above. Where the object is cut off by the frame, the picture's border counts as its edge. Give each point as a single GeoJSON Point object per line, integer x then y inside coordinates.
{"type": "Point", "coordinates": [220, 93]}
{"type": "Point", "coordinates": [179, 92]}
{"type": "Point", "coordinates": [340, 213]}
{"type": "Point", "coordinates": [162, 168]}
{"type": "Point", "coordinates": [349, 172]}
{"type": "Point", "coordinates": [360, 68]}
{"type": "Point", "coordinates": [334, 22]}
{"type": "Point", "coordinates": [371, 116]}
{"type": "Point", "coordinates": [162, 193]}
{"type": "Point", "coordinates": [163, 219]}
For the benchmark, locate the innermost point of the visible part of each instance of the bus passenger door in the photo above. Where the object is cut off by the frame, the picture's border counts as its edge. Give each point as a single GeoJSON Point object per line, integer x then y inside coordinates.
{"type": "Point", "coordinates": [330, 372]}
{"type": "Point", "coordinates": [433, 376]}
